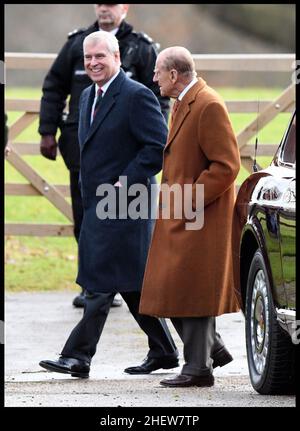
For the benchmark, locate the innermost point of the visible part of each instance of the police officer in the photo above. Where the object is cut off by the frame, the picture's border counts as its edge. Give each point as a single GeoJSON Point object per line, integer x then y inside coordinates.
{"type": "Point", "coordinates": [67, 77]}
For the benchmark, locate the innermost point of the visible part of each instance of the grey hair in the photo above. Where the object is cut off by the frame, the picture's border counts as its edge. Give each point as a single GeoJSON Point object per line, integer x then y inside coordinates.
{"type": "Point", "coordinates": [103, 36]}
{"type": "Point", "coordinates": [180, 59]}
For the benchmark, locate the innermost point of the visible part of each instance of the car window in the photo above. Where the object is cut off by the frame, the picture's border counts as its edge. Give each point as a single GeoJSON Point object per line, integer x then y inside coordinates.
{"type": "Point", "coordinates": [288, 152]}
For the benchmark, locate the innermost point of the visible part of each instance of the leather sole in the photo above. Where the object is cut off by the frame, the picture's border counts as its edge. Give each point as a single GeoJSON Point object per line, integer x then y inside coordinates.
{"type": "Point", "coordinates": [182, 385]}
{"type": "Point", "coordinates": [187, 384]}
{"type": "Point", "coordinates": [56, 369]}
{"type": "Point", "coordinates": [175, 365]}
{"type": "Point", "coordinates": [166, 367]}
{"type": "Point", "coordinates": [79, 302]}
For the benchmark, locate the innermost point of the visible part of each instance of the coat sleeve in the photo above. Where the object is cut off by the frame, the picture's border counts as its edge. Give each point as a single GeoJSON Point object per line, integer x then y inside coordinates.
{"type": "Point", "coordinates": [150, 131]}
{"type": "Point", "coordinates": [219, 145]}
{"type": "Point", "coordinates": [56, 88]}
{"type": "Point", "coordinates": [81, 117]}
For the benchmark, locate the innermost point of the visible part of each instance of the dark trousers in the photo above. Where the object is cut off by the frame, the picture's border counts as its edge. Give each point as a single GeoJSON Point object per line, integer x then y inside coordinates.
{"type": "Point", "coordinates": [200, 343]}
{"type": "Point", "coordinates": [83, 340]}
{"type": "Point", "coordinates": [77, 207]}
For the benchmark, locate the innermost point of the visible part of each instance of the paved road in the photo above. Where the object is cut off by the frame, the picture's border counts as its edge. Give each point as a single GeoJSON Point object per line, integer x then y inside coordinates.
{"type": "Point", "coordinates": [37, 325]}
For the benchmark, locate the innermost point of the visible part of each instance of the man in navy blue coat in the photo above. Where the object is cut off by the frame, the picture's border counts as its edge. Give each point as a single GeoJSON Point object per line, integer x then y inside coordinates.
{"type": "Point", "coordinates": [122, 135]}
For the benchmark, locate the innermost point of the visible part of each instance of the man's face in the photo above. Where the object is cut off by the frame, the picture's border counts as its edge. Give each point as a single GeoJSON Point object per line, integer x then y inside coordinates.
{"type": "Point", "coordinates": [100, 64]}
{"type": "Point", "coordinates": [110, 14]}
{"type": "Point", "coordinates": [163, 78]}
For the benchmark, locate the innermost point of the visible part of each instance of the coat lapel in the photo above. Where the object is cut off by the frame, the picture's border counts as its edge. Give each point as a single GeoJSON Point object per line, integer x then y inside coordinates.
{"type": "Point", "coordinates": [107, 103]}
{"type": "Point", "coordinates": [87, 108]}
{"type": "Point", "coordinates": [184, 109]}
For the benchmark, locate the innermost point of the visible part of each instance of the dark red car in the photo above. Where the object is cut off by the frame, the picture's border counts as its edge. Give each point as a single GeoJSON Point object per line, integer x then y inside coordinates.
{"type": "Point", "coordinates": [264, 253]}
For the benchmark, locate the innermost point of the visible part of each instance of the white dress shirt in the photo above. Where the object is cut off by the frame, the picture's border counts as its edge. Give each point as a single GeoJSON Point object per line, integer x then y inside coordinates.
{"type": "Point", "coordinates": [104, 89]}
{"type": "Point", "coordinates": [193, 82]}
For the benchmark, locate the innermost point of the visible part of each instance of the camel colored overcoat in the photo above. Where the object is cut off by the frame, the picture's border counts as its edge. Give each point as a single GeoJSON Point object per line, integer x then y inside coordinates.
{"type": "Point", "coordinates": [189, 272]}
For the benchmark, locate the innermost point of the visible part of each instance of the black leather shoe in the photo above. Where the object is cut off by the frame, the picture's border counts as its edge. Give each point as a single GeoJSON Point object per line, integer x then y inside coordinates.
{"type": "Point", "coordinates": [185, 381]}
{"type": "Point", "coordinates": [221, 358]}
{"type": "Point", "coordinates": [152, 364]}
{"type": "Point", "coordinates": [73, 366]}
{"type": "Point", "coordinates": [79, 300]}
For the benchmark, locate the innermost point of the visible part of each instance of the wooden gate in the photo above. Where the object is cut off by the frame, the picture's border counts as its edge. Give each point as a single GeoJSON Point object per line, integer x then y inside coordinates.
{"type": "Point", "coordinates": [57, 193]}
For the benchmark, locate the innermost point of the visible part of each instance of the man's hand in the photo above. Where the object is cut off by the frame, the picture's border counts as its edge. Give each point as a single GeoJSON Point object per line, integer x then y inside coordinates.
{"type": "Point", "coordinates": [48, 147]}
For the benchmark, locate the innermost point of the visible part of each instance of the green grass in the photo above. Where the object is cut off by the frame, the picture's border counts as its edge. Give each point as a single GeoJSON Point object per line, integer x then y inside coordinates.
{"type": "Point", "coordinates": [40, 263]}
{"type": "Point", "coordinates": [34, 263]}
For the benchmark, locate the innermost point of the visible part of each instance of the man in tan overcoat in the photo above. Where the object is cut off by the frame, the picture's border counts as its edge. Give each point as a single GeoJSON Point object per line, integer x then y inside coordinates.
{"type": "Point", "coordinates": [189, 274]}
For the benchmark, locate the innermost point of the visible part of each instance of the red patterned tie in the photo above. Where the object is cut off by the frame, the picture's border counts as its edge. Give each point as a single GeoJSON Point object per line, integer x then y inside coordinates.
{"type": "Point", "coordinates": [174, 109]}
{"type": "Point", "coordinates": [98, 101]}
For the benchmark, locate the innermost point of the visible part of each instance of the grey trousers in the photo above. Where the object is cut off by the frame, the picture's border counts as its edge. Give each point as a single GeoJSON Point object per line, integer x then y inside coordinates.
{"type": "Point", "coordinates": [200, 343]}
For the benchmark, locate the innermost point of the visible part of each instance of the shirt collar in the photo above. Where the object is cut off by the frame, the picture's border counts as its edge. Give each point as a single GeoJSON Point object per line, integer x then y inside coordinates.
{"type": "Point", "coordinates": [104, 87]}
{"type": "Point", "coordinates": [193, 82]}
{"type": "Point", "coordinates": [114, 31]}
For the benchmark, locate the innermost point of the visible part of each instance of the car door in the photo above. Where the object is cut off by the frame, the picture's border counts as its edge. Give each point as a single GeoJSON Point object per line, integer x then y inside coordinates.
{"type": "Point", "coordinates": [287, 214]}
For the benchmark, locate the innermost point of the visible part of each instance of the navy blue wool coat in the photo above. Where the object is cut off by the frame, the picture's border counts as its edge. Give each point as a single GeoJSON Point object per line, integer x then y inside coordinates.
{"type": "Point", "coordinates": [126, 138]}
